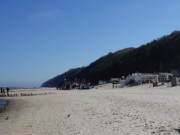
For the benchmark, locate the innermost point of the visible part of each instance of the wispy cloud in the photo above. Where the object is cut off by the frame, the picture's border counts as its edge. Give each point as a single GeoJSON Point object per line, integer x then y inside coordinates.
{"type": "Point", "coordinates": [46, 15]}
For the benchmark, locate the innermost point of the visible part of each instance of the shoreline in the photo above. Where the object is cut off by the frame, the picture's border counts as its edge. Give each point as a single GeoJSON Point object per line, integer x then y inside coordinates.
{"type": "Point", "coordinates": [8, 106]}
{"type": "Point", "coordinates": [3, 105]}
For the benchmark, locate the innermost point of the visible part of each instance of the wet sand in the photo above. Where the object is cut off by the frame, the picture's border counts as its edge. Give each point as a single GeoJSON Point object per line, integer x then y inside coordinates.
{"type": "Point", "coordinates": [139, 110]}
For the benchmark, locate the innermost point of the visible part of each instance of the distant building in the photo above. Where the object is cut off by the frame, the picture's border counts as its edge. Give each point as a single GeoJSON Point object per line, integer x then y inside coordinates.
{"type": "Point", "coordinates": [101, 82]}
{"type": "Point", "coordinates": [150, 77]}
{"type": "Point", "coordinates": [164, 77]}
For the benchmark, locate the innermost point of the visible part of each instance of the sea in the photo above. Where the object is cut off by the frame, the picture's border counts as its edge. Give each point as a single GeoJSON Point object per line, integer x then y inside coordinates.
{"type": "Point", "coordinates": [2, 103]}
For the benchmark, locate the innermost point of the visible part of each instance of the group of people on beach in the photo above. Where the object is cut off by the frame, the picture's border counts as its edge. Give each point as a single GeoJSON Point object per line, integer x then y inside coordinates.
{"type": "Point", "coordinates": [77, 83]}
{"type": "Point", "coordinates": [5, 90]}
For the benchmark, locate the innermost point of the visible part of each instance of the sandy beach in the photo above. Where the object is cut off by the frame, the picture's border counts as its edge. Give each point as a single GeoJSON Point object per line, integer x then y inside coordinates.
{"type": "Point", "coordinates": [139, 110]}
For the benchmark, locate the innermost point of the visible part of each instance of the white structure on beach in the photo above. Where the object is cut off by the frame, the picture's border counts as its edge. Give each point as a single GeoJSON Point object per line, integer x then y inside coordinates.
{"type": "Point", "coordinates": [149, 77]}
{"type": "Point", "coordinates": [139, 78]}
{"type": "Point", "coordinates": [101, 82]}
{"type": "Point", "coordinates": [165, 77]}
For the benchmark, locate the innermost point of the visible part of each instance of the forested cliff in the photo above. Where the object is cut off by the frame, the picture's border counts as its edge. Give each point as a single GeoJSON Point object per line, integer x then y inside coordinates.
{"type": "Point", "coordinates": [160, 55]}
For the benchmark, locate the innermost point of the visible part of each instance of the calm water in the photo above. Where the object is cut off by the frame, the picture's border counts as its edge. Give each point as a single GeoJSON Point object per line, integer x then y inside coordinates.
{"type": "Point", "coordinates": [2, 103]}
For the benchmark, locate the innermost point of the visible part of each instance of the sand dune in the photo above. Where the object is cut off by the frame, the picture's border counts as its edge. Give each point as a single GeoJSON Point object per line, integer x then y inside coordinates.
{"type": "Point", "coordinates": [140, 110]}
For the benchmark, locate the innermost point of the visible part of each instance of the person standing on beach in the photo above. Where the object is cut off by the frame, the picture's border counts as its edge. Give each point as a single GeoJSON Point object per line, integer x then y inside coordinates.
{"type": "Point", "coordinates": [4, 91]}
{"type": "Point", "coordinates": [1, 90]}
{"type": "Point", "coordinates": [8, 89]}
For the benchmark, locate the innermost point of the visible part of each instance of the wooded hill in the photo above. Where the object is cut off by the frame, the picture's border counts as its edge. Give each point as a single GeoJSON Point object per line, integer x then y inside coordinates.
{"type": "Point", "coordinates": [160, 55]}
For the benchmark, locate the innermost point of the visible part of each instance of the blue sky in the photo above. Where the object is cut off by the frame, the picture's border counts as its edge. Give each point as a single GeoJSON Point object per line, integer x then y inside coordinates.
{"type": "Point", "coordinates": [40, 39]}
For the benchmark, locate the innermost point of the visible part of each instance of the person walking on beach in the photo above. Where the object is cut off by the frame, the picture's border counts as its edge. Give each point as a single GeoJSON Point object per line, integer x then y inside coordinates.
{"type": "Point", "coordinates": [8, 89]}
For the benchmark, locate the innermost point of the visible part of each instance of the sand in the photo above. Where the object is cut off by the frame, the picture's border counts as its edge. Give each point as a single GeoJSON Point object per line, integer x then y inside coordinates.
{"type": "Point", "coordinates": [139, 110]}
